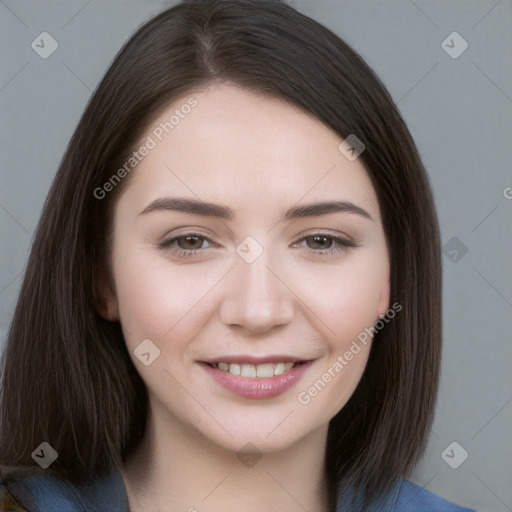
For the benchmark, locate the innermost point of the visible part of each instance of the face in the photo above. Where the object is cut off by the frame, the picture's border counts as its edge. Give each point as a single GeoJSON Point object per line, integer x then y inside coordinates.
{"type": "Point", "coordinates": [240, 318]}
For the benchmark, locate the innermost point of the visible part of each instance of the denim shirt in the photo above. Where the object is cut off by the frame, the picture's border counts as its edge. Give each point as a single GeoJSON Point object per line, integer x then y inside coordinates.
{"type": "Point", "coordinates": [107, 494]}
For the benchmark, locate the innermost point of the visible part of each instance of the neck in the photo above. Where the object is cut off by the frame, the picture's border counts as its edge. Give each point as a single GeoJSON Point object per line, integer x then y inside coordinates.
{"type": "Point", "coordinates": [177, 468]}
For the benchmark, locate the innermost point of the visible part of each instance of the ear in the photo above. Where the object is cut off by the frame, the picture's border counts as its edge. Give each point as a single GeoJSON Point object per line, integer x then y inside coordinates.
{"type": "Point", "coordinates": [105, 299]}
{"type": "Point", "coordinates": [383, 304]}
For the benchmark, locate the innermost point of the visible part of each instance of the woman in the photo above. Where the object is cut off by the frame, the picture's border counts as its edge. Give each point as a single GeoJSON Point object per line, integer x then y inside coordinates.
{"type": "Point", "coordinates": [233, 296]}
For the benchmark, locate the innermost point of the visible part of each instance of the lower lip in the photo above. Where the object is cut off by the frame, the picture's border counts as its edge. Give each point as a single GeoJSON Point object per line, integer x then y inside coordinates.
{"type": "Point", "coordinates": [256, 387]}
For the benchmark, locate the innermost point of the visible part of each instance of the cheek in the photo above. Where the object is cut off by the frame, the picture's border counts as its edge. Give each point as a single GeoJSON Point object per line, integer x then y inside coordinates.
{"type": "Point", "coordinates": [158, 302]}
{"type": "Point", "coordinates": [346, 319]}
{"type": "Point", "coordinates": [327, 391]}
{"type": "Point", "coordinates": [344, 297]}
{"type": "Point", "coordinates": [345, 303]}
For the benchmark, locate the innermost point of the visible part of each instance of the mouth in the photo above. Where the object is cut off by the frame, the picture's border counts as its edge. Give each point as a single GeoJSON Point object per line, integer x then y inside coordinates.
{"type": "Point", "coordinates": [257, 379]}
{"type": "Point", "coordinates": [260, 371]}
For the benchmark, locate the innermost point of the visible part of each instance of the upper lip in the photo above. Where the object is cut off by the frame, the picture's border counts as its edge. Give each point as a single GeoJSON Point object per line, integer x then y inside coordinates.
{"type": "Point", "coordinates": [252, 359]}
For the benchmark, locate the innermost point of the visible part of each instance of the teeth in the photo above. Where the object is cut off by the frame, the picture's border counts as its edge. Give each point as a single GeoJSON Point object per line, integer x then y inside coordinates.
{"type": "Point", "coordinates": [234, 369]}
{"type": "Point", "coordinates": [279, 369]}
{"type": "Point", "coordinates": [258, 370]}
{"type": "Point", "coordinates": [265, 370]}
{"type": "Point", "coordinates": [248, 370]}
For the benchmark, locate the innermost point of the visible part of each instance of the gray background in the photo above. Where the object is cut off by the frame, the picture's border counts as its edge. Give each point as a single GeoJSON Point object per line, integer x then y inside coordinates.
{"type": "Point", "coordinates": [459, 111]}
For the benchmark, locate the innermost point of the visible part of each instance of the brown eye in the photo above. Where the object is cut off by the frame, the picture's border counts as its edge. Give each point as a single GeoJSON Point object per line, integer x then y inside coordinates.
{"type": "Point", "coordinates": [326, 245]}
{"type": "Point", "coordinates": [320, 242]}
{"type": "Point", "coordinates": [189, 242]}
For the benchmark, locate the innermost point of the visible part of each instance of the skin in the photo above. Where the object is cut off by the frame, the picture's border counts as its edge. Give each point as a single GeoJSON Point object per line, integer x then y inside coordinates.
{"type": "Point", "coordinates": [258, 156]}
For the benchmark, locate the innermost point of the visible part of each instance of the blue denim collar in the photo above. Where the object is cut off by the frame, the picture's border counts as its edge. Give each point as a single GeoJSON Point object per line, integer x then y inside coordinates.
{"type": "Point", "coordinates": [40, 493]}
{"type": "Point", "coordinates": [108, 493]}
{"type": "Point", "coordinates": [353, 501]}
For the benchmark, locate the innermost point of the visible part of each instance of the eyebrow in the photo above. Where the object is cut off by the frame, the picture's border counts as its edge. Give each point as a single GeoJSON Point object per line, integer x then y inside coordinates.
{"type": "Point", "coordinates": [198, 207]}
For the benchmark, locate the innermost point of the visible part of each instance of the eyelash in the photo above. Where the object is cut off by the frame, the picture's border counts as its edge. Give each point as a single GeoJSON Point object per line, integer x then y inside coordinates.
{"type": "Point", "coordinates": [342, 244]}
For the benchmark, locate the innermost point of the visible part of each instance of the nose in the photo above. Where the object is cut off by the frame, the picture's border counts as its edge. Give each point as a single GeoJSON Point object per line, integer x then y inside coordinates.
{"type": "Point", "coordinates": [257, 298]}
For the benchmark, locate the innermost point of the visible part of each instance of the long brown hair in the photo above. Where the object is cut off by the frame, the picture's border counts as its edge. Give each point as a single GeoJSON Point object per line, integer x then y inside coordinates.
{"type": "Point", "coordinates": [67, 377]}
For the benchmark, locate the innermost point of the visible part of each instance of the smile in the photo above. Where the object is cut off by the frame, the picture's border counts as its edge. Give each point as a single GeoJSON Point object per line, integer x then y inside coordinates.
{"type": "Point", "coordinates": [249, 370]}
{"type": "Point", "coordinates": [256, 381]}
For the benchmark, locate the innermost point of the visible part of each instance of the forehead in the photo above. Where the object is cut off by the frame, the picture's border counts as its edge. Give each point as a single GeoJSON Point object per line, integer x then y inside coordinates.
{"type": "Point", "coordinates": [242, 148]}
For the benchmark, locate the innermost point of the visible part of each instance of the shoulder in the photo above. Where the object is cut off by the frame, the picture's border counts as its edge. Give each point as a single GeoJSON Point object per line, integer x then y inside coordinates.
{"type": "Point", "coordinates": [44, 493]}
{"type": "Point", "coordinates": [404, 496]}
{"type": "Point", "coordinates": [40, 493]}
{"type": "Point", "coordinates": [413, 498]}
